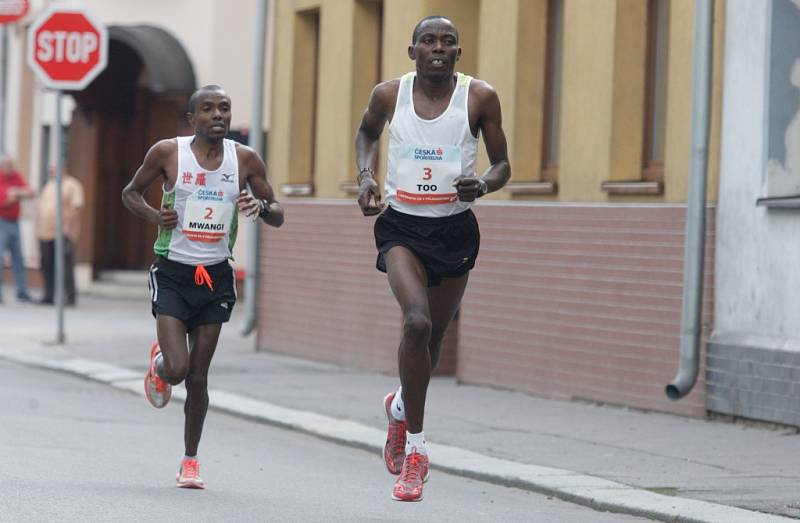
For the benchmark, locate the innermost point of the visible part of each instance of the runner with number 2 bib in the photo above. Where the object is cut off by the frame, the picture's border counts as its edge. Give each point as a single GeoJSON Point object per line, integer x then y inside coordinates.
{"type": "Point", "coordinates": [192, 285]}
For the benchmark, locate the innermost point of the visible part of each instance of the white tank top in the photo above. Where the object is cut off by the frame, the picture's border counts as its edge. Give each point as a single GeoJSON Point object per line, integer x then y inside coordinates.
{"type": "Point", "coordinates": [206, 205]}
{"type": "Point", "coordinates": [425, 156]}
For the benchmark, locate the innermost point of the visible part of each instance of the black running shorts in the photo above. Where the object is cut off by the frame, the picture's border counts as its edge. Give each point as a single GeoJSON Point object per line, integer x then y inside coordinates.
{"type": "Point", "coordinates": [447, 247]}
{"type": "Point", "coordinates": [174, 292]}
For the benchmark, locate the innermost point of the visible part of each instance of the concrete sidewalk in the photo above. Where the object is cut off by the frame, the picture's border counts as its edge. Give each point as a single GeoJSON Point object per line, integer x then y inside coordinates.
{"type": "Point", "coordinates": [653, 465]}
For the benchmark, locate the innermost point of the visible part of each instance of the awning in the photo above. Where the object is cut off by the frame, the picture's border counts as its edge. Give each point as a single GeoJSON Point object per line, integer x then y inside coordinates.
{"type": "Point", "coordinates": [168, 67]}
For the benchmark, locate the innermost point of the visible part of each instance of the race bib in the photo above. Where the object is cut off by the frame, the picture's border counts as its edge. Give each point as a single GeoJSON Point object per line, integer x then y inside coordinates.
{"type": "Point", "coordinates": [206, 217]}
{"type": "Point", "coordinates": [426, 173]}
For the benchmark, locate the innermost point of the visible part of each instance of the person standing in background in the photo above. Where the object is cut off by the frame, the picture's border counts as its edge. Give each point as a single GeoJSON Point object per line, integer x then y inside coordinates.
{"type": "Point", "coordinates": [13, 189]}
{"type": "Point", "coordinates": [72, 203]}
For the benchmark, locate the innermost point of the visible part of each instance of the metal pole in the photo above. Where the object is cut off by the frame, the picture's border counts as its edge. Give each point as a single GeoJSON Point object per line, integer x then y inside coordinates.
{"type": "Point", "coordinates": [256, 126]}
{"type": "Point", "coordinates": [691, 321]}
{"type": "Point", "coordinates": [59, 283]}
{"type": "Point", "coordinates": [3, 76]}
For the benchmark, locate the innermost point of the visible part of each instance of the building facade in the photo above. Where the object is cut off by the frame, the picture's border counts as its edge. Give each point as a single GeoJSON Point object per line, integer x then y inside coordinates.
{"type": "Point", "coordinates": [159, 53]}
{"type": "Point", "coordinates": [577, 290]}
{"type": "Point", "coordinates": [753, 366]}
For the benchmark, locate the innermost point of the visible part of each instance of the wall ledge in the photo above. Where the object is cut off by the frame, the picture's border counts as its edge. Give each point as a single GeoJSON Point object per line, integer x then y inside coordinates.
{"type": "Point", "coordinates": [297, 189]}
{"type": "Point", "coordinates": [531, 188]}
{"type": "Point", "coordinates": [779, 202]}
{"type": "Point", "coordinates": [632, 187]}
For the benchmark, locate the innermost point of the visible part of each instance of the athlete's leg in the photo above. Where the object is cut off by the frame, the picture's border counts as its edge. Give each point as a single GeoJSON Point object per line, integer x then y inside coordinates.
{"type": "Point", "coordinates": [203, 341]}
{"type": "Point", "coordinates": [444, 301]}
{"type": "Point", "coordinates": [408, 281]}
{"type": "Point", "coordinates": [174, 364]}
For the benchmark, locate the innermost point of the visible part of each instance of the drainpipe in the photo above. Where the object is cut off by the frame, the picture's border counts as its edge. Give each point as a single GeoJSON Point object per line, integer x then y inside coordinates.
{"type": "Point", "coordinates": [3, 76]}
{"type": "Point", "coordinates": [696, 203]}
{"type": "Point", "coordinates": [255, 139]}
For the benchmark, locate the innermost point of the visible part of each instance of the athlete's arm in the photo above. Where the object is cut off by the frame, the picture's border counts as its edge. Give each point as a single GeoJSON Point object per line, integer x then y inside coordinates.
{"type": "Point", "coordinates": [153, 167]}
{"type": "Point", "coordinates": [490, 122]}
{"type": "Point", "coordinates": [381, 102]}
{"type": "Point", "coordinates": [255, 174]}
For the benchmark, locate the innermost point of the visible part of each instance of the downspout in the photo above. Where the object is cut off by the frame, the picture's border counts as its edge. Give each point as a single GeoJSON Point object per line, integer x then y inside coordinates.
{"type": "Point", "coordinates": [255, 141]}
{"type": "Point", "coordinates": [3, 91]}
{"type": "Point", "coordinates": [694, 247]}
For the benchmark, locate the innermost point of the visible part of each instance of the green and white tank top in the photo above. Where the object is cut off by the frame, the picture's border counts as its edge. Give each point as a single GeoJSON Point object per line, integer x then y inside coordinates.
{"type": "Point", "coordinates": [206, 205]}
{"type": "Point", "coordinates": [425, 156]}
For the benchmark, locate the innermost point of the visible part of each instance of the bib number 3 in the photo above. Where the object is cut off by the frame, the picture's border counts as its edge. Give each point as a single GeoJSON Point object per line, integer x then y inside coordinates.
{"type": "Point", "coordinates": [426, 174]}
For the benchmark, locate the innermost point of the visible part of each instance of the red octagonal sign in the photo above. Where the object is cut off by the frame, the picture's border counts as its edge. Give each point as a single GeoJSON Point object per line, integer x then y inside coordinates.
{"type": "Point", "coordinates": [12, 10]}
{"type": "Point", "coordinates": [67, 48]}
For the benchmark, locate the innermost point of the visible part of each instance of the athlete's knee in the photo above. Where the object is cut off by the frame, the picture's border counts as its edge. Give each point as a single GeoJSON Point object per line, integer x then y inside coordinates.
{"type": "Point", "coordinates": [417, 325]}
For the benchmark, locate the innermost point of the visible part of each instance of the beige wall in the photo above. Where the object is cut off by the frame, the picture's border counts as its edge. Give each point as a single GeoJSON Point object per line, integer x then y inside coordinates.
{"type": "Point", "coordinates": [503, 42]}
{"type": "Point", "coordinates": [587, 80]}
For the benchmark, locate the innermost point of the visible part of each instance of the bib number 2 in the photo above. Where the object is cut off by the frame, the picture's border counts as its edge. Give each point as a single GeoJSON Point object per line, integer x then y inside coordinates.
{"type": "Point", "coordinates": [206, 221]}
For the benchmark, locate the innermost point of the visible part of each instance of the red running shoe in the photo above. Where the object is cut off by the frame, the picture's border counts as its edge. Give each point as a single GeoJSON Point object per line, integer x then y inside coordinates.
{"type": "Point", "coordinates": [408, 486]}
{"type": "Point", "coordinates": [189, 475]}
{"type": "Point", "coordinates": [157, 391]}
{"type": "Point", "coordinates": [394, 452]}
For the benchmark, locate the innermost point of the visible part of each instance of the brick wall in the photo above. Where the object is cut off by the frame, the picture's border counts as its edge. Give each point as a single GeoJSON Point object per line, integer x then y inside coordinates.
{"type": "Point", "coordinates": [579, 301]}
{"type": "Point", "coordinates": [760, 383]}
{"type": "Point", "coordinates": [320, 295]}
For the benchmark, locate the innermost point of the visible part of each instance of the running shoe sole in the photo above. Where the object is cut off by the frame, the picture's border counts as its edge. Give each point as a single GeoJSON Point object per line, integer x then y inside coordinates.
{"type": "Point", "coordinates": [407, 500]}
{"type": "Point", "coordinates": [190, 484]}
{"type": "Point", "coordinates": [155, 399]}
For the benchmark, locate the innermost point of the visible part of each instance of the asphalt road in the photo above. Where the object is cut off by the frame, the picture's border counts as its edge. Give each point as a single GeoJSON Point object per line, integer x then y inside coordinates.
{"type": "Point", "coordinates": [73, 450]}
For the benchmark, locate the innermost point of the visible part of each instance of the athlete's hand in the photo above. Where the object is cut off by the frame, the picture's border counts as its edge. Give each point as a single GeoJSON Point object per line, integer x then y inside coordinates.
{"type": "Point", "coordinates": [369, 197]}
{"type": "Point", "coordinates": [468, 187]}
{"type": "Point", "coordinates": [167, 218]}
{"type": "Point", "coordinates": [248, 205]}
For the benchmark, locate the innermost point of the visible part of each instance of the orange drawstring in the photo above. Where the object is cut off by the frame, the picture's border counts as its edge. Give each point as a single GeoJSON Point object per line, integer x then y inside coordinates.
{"type": "Point", "coordinates": [201, 277]}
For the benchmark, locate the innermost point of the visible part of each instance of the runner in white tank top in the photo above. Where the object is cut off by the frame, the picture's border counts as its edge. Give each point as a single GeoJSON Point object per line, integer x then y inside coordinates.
{"type": "Point", "coordinates": [192, 285]}
{"type": "Point", "coordinates": [427, 237]}
{"type": "Point", "coordinates": [206, 205]}
{"type": "Point", "coordinates": [427, 155]}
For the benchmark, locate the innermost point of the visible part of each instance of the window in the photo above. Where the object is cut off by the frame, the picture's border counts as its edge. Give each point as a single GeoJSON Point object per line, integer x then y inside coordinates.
{"type": "Point", "coordinates": [643, 172]}
{"type": "Point", "coordinates": [538, 102]}
{"type": "Point", "coordinates": [305, 79]}
{"type": "Point", "coordinates": [552, 98]}
{"type": "Point", "coordinates": [656, 91]}
{"type": "Point", "coordinates": [367, 60]}
{"type": "Point", "coordinates": [783, 117]}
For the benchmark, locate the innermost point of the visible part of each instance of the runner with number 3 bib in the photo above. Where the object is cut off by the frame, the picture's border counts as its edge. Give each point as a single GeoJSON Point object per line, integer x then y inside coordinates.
{"type": "Point", "coordinates": [192, 285]}
{"type": "Point", "coordinates": [427, 237]}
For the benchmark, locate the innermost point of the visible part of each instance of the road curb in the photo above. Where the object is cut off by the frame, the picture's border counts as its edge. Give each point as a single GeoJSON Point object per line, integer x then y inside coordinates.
{"type": "Point", "coordinates": [597, 493]}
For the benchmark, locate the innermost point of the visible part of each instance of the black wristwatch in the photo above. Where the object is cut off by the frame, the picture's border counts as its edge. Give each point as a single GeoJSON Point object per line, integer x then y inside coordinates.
{"type": "Point", "coordinates": [482, 187]}
{"type": "Point", "coordinates": [264, 212]}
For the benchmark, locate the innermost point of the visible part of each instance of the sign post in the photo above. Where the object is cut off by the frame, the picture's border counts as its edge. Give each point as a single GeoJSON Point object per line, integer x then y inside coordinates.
{"type": "Point", "coordinates": [10, 12]}
{"type": "Point", "coordinates": [67, 49]}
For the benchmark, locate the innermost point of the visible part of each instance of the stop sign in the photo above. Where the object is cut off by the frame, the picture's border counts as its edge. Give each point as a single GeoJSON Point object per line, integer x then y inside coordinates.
{"type": "Point", "coordinates": [12, 10]}
{"type": "Point", "coordinates": [67, 48]}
